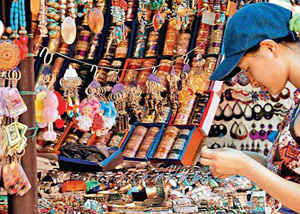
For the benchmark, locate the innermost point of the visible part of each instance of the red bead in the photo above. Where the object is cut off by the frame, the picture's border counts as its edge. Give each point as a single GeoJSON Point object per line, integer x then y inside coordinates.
{"type": "Point", "coordinates": [59, 123]}
{"type": "Point", "coordinates": [18, 43]}
{"type": "Point", "coordinates": [218, 16]}
{"type": "Point", "coordinates": [24, 52]}
{"type": "Point", "coordinates": [24, 39]}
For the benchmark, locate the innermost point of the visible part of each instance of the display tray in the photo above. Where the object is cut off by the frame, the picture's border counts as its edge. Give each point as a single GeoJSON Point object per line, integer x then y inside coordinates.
{"type": "Point", "coordinates": [73, 164]}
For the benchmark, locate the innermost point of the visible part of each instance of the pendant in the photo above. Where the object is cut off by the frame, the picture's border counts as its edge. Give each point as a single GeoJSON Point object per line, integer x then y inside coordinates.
{"type": "Point", "coordinates": [158, 21]}
{"type": "Point", "coordinates": [95, 20]}
{"type": "Point", "coordinates": [9, 55]}
{"type": "Point", "coordinates": [118, 34]}
{"type": "Point", "coordinates": [68, 30]}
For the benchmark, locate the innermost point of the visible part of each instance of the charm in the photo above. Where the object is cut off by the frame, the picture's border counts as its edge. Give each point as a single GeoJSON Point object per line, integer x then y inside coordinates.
{"type": "Point", "coordinates": [158, 21]}
{"type": "Point", "coordinates": [95, 20]}
{"type": "Point", "coordinates": [68, 30]}
{"type": "Point", "coordinates": [154, 101]}
{"type": "Point", "coordinates": [135, 96]}
{"type": "Point", "coordinates": [9, 55]}
{"type": "Point", "coordinates": [119, 95]}
{"type": "Point", "coordinates": [173, 83]}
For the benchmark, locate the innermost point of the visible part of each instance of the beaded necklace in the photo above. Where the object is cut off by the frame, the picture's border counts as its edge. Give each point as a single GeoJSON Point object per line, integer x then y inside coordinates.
{"type": "Point", "coordinates": [18, 18]}
{"type": "Point", "coordinates": [118, 9]}
{"type": "Point", "coordinates": [18, 27]}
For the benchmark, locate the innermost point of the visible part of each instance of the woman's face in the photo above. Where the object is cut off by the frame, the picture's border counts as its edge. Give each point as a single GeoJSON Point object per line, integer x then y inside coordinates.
{"type": "Point", "coordinates": [266, 68]}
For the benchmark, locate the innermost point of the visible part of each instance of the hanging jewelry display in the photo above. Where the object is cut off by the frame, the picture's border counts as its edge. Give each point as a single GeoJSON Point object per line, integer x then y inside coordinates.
{"type": "Point", "coordinates": [87, 7]}
{"type": "Point", "coordinates": [42, 19]}
{"type": "Point", "coordinates": [70, 83]}
{"type": "Point", "coordinates": [134, 97]}
{"type": "Point", "coordinates": [154, 102]}
{"type": "Point", "coordinates": [95, 88]}
{"type": "Point", "coordinates": [18, 27]}
{"type": "Point", "coordinates": [53, 18]}
{"type": "Point", "coordinates": [118, 9]}
{"type": "Point", "coordinates": [185, 92]}
{"type": "Point", "coordinates": [173, 80]}
{"type": "Point", "coordinates": [62, 9]}
{"type": "Point", "coordinates": [199, 77]}
{"type": "Point", "coordinates": [72, 9]}
{"type": "Point", "coordinates": [119, 96]}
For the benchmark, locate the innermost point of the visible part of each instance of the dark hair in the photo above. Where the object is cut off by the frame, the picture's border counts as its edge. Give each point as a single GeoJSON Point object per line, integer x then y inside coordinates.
{"type": "Point", "coordinates": [290, 38]}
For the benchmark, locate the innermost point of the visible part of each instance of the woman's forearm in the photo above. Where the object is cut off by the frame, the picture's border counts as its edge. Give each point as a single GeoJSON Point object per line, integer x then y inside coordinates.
{"type": "Point", "coordinates": [258, 157]}
{"type": "Point", "coordinates": [286, 192]}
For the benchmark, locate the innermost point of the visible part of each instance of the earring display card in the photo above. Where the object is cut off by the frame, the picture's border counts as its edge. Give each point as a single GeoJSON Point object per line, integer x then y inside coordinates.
{"type": "Point", "coordinates": [254, 117]}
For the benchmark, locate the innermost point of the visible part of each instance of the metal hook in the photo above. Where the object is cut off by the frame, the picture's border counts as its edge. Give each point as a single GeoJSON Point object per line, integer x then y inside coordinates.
{"type": "Point", "coordinates": [92, 68]}
{"type": "Point", "coordinates": [50, 60]}
{"type": "Point", "coordinates": [47, 51]}
{"type": "Point", "coordinates": [186, 58]}
{"type": "Point", "coordinates": [154, 70]}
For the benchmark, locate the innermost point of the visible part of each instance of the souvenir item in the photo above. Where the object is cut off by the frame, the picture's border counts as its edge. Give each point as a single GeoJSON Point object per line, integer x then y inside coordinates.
{"type": "Point", "coordinates": [9, 55]}
{"type": "Point", "coordinates": [135, 141]}
{"type": "Point", "coordinates": [70, 83]}
{"type": "Point", "coordinates": [50, 115]}
{"type": "Point", "coordinates": [118, 9]}
{"type": "Point", "coordinates": [134, 93]}
{"type": "Point", "coordinates": [119, 96]}
{"type": "Point", "coordinates": [53, 18]}
{"type": "Point", "coordinates": [148, 140]}
{"type": "Point", "coordinates": [154, 100]}
{"type": "Point", "coordinates": [173, 84]}
{"type": "Point", "coordinates": [42, 19]}
{"type": "Point", "coordinates": [95, 20]}
{"type": "Point", "coordinates": [199, 78]}
{"type": "Point", "coordinates": [68, 30]}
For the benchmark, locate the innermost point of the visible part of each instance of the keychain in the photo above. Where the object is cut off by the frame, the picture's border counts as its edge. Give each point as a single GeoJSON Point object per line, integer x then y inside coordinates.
{"type": "Point", "coordinates": [70, 83]}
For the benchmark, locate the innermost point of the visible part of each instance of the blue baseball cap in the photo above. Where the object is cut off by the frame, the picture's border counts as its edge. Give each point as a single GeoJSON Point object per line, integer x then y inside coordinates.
{"type": "Point", "coordinates": [246, 29]}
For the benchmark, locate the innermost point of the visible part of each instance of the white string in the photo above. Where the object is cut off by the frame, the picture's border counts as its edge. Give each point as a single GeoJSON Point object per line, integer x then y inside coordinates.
{"type": "Point", "coordinates": [138, 69]}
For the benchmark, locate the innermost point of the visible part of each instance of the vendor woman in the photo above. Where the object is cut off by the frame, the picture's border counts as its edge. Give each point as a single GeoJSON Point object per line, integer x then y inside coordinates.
{"type": "Point", "coordinates": [259, 40]}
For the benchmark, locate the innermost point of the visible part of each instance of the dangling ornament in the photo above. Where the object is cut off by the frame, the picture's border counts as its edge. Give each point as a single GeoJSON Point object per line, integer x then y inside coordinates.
{"type": "Point", "coordinates": [154, 101]}
{"type": "Point", "coordinates": [199, 78]}
{"type": "Point", "coordinates": [68, 30]}
{"type": "Point", "coordinates": [53, 18]}
{"type": "Point", "coordinates": [42, 19]}
{"type": "Point", "coordinates": [173, 80]}
{"type": "Point", "coordinates": [135, 96]}
{"type": "Point", "coordinates": [95, 20]}
{"type": "Point", "coordinates": [158, 21]}
{"type": "Point", "coordinates": [185, 93]}
{"type": "Point", "coordinates": [119, 96]}
{"type": "Point", "coordinates": [118, 9]}
{"type": "Point", "coordinates": [70, 83]}
{"type": "Point", "coordinates": [50, 115]}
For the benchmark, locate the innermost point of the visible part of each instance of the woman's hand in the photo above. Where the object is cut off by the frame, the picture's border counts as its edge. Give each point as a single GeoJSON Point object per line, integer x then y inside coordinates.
{"type": "Point", "coordinates": [224, 162]}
